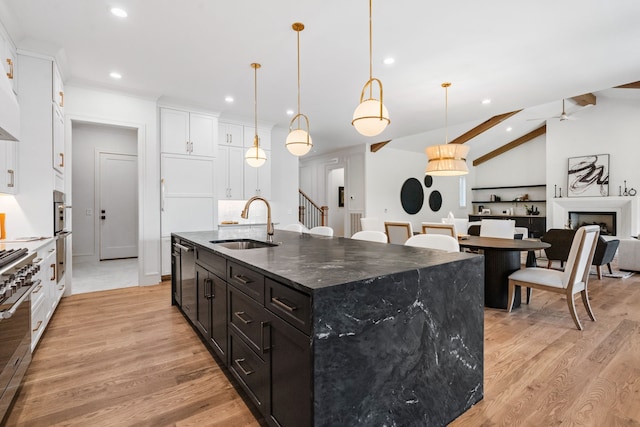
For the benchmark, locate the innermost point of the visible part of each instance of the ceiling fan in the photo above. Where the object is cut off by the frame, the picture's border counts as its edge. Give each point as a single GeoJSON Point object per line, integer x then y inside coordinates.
{"type": "Point", "coordinates": [563, 116]}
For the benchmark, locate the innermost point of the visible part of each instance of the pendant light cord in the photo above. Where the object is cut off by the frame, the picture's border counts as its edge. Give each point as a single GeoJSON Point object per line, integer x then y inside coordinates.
{"type": "Point", "coordinates": [370, 51]}
{"type": "Point", "coordinates": [446, 111]}
{"type": "Point", "coordinates": [298, 78]}
{"type": "Point", "coordinates": [255, 106]}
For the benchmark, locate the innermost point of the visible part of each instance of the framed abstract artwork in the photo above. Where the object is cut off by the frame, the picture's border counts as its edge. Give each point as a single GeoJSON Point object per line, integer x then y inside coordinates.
{"type": "Point", "coordinates": [588, 176]}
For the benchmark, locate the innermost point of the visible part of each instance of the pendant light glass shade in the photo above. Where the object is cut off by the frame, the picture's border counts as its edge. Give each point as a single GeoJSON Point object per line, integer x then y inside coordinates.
{"type": "Point", "coordinates": [298, 141]}
{"type": "Point", "coordinates": [255, 156]}
{"type": "Point", "coordinates": [371, 117]}
{"type": "Point", "coordinates": [447, 160]}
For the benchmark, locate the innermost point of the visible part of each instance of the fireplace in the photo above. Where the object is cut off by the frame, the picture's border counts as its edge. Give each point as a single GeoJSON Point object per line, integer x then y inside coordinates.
{"type": "Point", "coordinates": [606, 221]}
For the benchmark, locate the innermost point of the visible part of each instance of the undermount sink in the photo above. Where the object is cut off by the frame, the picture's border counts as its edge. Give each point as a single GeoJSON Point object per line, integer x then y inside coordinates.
{"type": "Point", "coordinates": [242, 244]}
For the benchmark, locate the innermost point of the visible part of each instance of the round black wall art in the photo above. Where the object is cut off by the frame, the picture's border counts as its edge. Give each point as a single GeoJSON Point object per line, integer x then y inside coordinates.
{"type": "Point", "coordinates": [435, 201]}
{"type": "Point", "coordinates": [428, 181]}
{"type": "Point", "coordinates": [412, 196]}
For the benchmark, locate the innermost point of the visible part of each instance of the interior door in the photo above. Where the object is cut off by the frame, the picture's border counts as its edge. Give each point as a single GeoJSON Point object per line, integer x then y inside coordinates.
{"type": "Point", "coordinates": [118, 206]}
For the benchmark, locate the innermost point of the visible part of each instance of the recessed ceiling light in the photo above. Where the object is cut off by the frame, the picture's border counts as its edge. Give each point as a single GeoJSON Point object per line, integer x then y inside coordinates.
{"type": "Point", "coordinates": [115, 75]}
{"type": "Point", "coordinates": [229, 99]}
{"type": "Point", "coordinates": [486, 101]}
{"type": "Point", "coordinates": [289, 112]}
{"type": "Point", "coordinates": [120, 13]}
{"type": "Point", "coordinates": [389, 61]}
{"type": "Point", "coordinates": [509, 129]}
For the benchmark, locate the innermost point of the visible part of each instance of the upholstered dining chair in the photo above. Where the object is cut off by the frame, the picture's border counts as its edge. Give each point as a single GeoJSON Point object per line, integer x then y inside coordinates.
{"type": "Point", "coordinates": [501, 228]}
{"type": "Point", "coordinates": [322, 231]}
{"type": "Point", "coordinates": [398, 231]}
{"type": "Point", "coordinates": [461, 225]}
{"type": "Point", "coordinates": [438, 228]}
{"type": "Point", "coordinates": [434, 241]}
{"type": "Point", "coordinates": [572, 280]}
{"type": "Point", "coordinates": [295, 227]}
{"type": "Point", "coordinates": [371, 223]}
{"type": "Point", "coordinates": [371, 236]}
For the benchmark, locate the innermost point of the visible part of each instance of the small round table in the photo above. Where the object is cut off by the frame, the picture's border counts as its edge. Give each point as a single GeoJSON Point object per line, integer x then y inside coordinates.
{"type": "Point", "coordinates": [501, 258]}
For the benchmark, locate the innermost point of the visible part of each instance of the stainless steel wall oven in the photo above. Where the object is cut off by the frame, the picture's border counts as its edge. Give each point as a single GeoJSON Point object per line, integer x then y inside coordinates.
{"type": "Point", "coordinates": [60, 232]}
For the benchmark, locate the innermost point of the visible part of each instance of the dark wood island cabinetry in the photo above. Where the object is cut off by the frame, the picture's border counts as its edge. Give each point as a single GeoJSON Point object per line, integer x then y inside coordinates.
{"type": "Point", "coordinates": [329, 331]}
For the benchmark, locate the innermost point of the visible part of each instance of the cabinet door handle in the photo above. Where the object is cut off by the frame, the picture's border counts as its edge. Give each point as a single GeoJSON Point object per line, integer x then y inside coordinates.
{"type": "Point", "coordinates": [240, 278]}
{"type": "Point", "coordinates": [190, 146]}
{"type": "Point", "coordinates": [61, 98]}
{"type": "Point", "coordinates": [240, 314]}
{"type": "Point", "coordinates": [12, 174]}
{"type": "Point", "coordinates": [37, 327]}
{"type": "Point", "coordinates": [61, 287]}
{"type": "Point", "coordinates": [37, 290]}
{"type": "Point", "coordinates": [53, 267]}
{"type": "Point", "coordinates": [262, 347]}
{"type": "Point", "coordinates": [282, 304]}
{"type": "Point", "coordinates": [10, 73]}
{"type": "Point", "coordinates": [61, 160]}
{"type": "Point", "coordinates": [181, 247]}
{"type": "Point", "coordinates": [208, 288]}
{"type": "Point", "coordinates": [238, 363]}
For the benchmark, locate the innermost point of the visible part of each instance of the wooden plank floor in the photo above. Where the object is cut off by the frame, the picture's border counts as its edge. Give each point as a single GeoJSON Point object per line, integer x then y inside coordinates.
{"type": "Point", "coordinates": [121, 358]}
{"type": "Point", "coordinates": [127, 357]}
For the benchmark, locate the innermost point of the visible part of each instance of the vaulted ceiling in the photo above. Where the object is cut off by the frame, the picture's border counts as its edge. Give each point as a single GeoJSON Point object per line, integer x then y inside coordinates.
{"type": "Point", "coordinates": [521, 55]}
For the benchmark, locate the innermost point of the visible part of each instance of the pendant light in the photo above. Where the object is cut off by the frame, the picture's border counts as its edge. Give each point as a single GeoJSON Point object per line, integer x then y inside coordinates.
{"type": "Point", "coordinates": [298, 141]}
{"type": "Point", "coordinates": [447, 159]}
{"type": "Point", "coordinates": [255, 155]}
{"type": "Point", "coordinates": [370, 117]}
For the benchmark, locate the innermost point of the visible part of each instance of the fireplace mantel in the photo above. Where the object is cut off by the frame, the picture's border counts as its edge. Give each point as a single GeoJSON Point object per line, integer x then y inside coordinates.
{"type": "Point", "coordinates": [626, 209]}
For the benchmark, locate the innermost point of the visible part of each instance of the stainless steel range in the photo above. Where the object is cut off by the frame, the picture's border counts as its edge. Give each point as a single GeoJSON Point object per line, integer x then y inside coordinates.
{"type": "Point", "coordinates": [16, 283]}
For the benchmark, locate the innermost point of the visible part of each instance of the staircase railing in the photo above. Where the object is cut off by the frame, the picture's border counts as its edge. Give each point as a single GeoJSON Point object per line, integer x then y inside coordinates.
{"type": "Point", "coordinates": [310, 214]}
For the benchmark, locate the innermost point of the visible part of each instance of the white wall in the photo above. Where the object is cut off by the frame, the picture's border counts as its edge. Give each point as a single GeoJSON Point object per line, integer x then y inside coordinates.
{"type": "Point", "coordinates": [284, 179]}
{"type": "Point", "coordinates": [611, 127]}
{"type": "Point", "coordinates": [95, 106]}
{"type": "Point", "coordinates": [88, 140]}
{"type": "Point", "coordinates": [337, 213]}
{"type": "Point", "coordinates": [314, 181]}
{"type": "Point", "coordinates": [386, 172]}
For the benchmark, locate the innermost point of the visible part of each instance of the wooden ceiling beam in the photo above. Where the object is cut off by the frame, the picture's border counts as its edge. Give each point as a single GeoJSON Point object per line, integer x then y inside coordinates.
{"type": "Point", "coordinates": [483, 127]}
{"type": "Point", "coordinates": [378, 145]}
{"type": "Point", "coordinates": [634, 85]}
{"type": "Point", "coordinates": [584, 100]}
{"type": "Point", "coordinates": [511, 145]}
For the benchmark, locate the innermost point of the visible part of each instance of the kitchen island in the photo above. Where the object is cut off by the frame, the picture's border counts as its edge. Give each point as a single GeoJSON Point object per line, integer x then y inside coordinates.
{"type": "Point", "coordinates": [332, 331]}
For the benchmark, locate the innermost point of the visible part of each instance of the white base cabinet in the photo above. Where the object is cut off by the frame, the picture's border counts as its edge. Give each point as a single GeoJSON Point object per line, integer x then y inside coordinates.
{"type": "Point", "coordinates": [47, 294]}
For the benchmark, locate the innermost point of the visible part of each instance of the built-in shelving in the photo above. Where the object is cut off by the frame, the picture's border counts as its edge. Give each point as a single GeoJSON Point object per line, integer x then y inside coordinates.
{"type": "Point", "coordinates": [509, 187]}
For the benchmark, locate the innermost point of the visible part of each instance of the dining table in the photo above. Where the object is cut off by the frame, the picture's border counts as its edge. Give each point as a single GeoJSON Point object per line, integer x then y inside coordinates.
{"type": "Point", "coordinates": [501, 258]}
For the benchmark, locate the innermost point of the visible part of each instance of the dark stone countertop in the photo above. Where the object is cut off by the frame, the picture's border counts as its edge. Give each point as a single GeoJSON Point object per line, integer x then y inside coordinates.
{"type": "Point", "coordinates": [317, 262]}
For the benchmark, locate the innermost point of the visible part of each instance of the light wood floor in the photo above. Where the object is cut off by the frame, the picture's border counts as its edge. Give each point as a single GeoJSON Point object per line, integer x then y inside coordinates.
{"type": "Point", "coordinates": [126, 357]}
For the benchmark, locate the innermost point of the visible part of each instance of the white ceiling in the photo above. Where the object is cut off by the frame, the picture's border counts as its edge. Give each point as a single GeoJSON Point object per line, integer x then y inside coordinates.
{"type": "Point", "coordinates": [196, 52]}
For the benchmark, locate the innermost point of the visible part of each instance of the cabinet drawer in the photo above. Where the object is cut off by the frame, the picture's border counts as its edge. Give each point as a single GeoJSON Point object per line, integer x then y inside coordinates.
{"type": "Point", "coordinates": [248, 281]}
{"type": "Point", "coordinates": [214, 263]}
{"type": "Point", "coordinates": [291, 305]}
{"type": "Point", "coordinates": [249, 369]}
{"type": "Point", "coordinates": [38, 293]}
{"type": "Point", "coordinates": [248, 319]}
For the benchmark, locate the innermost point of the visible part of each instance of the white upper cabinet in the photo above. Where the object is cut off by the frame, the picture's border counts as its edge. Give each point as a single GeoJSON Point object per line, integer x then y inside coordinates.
{"type": "Point", "coordinates": [57, 94]}
{"type": "Point", "coordinates": [257, 181]}
{"type": "Point", "coordinates": [9, 61]}
{"type": "Point", "coordinates": [229, 172]}
{"type": "Point", "coordinates": [8, 167]}
{"type": "Point", "coordinates": [58, 160]}
{"type": "Point", "coordinates": [183, 132]}
{"type": "Point", "coordinates": [230, 134]}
